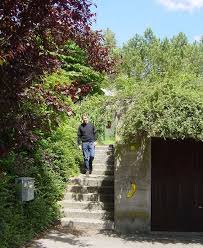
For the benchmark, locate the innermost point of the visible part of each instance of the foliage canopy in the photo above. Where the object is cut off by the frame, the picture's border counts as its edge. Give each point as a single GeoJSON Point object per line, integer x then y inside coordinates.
{"type": "Point", "coordinates": [32, 36]}
{"type": "Point", "coordinates": [162, 80]}
{"type": "Point", "coordinates": [170, 109]}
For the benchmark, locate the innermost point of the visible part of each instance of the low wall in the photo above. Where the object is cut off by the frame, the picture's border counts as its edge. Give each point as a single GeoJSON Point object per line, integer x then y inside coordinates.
{"type": "Point", "coordinates": [133, 165]}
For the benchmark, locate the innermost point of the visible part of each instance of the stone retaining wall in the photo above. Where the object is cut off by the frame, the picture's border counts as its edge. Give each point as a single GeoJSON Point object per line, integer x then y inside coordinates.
{"type": "Point", "coordinates": [133, 165]}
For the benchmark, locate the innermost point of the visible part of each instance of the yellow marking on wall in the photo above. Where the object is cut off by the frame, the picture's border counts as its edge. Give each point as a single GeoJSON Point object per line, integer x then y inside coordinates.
{"type": "Point", "coordinates": [132, 191]}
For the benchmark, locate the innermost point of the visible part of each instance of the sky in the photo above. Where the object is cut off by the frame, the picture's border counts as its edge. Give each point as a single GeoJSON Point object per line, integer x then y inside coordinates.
{"type": "Point", "coordinates": [165, 17]}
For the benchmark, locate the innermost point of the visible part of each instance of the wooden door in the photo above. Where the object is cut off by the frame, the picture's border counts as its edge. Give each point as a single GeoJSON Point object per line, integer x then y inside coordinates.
{"type": "Point", "coordinates": [177, 185]}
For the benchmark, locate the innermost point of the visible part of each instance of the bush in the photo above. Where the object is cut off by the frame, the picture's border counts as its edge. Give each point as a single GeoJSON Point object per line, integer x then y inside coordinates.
{"type": "Point", "coordinates": [172, 108]}
{"type": "Point", "coordinates": [54, 160]}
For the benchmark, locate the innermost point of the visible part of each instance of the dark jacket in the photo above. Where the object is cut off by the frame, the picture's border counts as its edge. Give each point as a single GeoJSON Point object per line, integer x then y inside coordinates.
{"type": "Point", "coordinates": [86, 133]}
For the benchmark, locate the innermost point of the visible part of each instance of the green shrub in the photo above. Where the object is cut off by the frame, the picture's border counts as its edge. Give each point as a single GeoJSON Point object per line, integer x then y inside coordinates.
{"type": "Point", "coordinates": [53, 161]}
{"type": "Point", "coordinates": [172, 108]}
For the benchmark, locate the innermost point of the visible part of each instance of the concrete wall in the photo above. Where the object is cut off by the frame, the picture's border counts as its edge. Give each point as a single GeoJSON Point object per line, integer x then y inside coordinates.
{"type": "Point", "coordinates": [133, 163]}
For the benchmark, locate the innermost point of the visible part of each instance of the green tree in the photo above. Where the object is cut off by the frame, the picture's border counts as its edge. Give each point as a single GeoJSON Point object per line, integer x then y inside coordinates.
{"type": "Point", "coordinates": [161, 80]}
{"type": "Point", "coordinates": [147, 58]}
{"type": "Point", "coordinates": [109, 38]}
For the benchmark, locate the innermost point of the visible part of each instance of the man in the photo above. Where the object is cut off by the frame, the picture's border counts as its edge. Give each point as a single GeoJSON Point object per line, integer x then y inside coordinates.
{"type": "Point", "coordinates": [87, 136]}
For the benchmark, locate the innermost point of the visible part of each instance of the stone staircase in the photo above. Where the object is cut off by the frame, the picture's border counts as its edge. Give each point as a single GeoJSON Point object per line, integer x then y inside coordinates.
{"type": "Point", "coordinates": [89, 200]}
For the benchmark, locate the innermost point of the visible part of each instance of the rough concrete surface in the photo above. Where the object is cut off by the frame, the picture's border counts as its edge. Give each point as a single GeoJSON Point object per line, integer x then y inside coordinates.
{"type": "Point", "coordinates": [65, 238]}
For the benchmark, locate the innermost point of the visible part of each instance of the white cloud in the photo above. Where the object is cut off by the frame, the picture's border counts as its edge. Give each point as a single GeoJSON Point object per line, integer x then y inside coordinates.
{"type": "Point", "coordinates": [184, 5]}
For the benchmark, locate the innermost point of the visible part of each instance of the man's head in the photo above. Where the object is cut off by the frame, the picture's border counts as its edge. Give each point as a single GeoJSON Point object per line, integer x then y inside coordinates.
{"type": "Point", "coordinates": [85, 118]}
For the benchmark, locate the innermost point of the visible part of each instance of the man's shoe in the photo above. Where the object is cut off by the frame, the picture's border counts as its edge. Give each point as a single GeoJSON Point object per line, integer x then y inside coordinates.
{"type": "Point", "coordinates": [90, 172]}
{"type": "Point", "coordinates": [87, 173]}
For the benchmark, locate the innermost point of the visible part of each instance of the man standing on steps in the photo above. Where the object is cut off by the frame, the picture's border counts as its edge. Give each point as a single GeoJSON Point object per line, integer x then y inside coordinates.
{"type": "Point", "coordinates": [87, 136]}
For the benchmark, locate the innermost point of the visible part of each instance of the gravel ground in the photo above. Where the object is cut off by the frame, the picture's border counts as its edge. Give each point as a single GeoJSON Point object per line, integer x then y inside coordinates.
{"type": "Point", "coordinates": [64, 238]}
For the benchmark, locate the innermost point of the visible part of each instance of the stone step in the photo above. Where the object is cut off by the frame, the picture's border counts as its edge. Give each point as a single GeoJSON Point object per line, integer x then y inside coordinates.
{"type": "Point", "coordinates": [93, 181]}
{"type": "Point", "coordinates": [89, 197]}
{"type": "Point", "coordinates": [104, 153]}
{"type": "Point", "coordinates": [106, 164]}
{"type": "Point", "coordinates": [89, 214]}
{"type": "Point", "coordinates": [102, 172]}
{"type": "Point", "coordinates": [104, 148]}
{"type": "Point", "coordinates": [88, 205]}
{"type": "Point", "coordinates": [79, 223]}
{"type": "Point", "coordinates": [95, 176]}
{"type": "Point", "coordinates": [90, 189]}
{"type": "Point", "coordinates": [104, 160]}
{"type": "Point", "coordinates": [103, 167]}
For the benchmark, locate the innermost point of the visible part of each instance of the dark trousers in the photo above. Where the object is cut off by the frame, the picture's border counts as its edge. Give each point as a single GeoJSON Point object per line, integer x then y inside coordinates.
{"type": "Point", "coordinates": [88, 149]}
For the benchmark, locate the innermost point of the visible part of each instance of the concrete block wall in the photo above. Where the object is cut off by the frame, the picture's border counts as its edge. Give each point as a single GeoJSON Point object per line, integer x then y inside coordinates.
{"type": "Point", "coordinates": [133, 164]}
